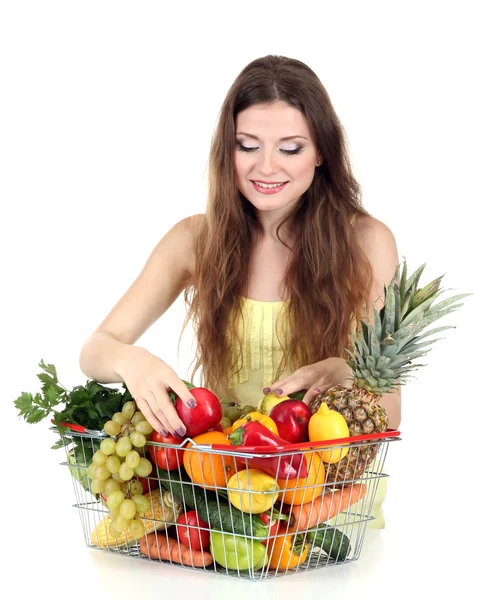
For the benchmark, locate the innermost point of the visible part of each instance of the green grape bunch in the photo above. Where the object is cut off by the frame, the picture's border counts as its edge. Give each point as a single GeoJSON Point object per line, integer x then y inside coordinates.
{"type": "Point", "coordinates": [115, 465]}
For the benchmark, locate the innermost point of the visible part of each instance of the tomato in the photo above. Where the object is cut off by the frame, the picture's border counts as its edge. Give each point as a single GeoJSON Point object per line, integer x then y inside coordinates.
{"type": "Point", "coordinates": [165, 458]}
{"type": "Point", "coordinates": [148, 484]}
{"type": "Point", "coordinates": [192, 537]}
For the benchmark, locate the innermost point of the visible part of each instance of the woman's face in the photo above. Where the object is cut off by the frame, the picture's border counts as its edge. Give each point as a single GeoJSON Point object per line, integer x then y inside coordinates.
{"type": "Point", "coordinates": [268, 158]}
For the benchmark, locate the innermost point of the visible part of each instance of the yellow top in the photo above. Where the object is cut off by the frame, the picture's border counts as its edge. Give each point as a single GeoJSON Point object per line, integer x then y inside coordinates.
{"type": "Point", "coordinates": [263, 331]}
{"type": "Point", "coordinates": [261, 334]}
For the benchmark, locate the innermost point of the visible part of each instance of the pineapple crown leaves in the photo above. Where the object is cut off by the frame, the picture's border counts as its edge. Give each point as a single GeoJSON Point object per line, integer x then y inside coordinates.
{"type": "Point", "coordinates": [382, 352]}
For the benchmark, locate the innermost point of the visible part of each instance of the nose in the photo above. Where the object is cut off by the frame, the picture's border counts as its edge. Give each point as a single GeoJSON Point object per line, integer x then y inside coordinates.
{"type": "Point", "coordinates": [267, 164]}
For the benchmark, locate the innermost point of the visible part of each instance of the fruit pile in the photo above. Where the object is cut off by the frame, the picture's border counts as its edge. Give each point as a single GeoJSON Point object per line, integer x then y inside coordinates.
{"type": "Point", "coordinates": [290, 419]}
{"type": "Point", "coordinates": [227, 497]}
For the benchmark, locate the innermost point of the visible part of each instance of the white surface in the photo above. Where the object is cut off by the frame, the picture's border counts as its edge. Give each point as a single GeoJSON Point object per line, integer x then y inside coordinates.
{"type": "Point", "coordinates": [106, 119]}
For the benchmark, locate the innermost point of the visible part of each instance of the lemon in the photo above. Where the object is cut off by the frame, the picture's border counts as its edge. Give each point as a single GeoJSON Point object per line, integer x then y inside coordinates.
{"type": "Point", "coordinates": [327, 424]}
{"type": "Point", "coordinates": [254, 492]}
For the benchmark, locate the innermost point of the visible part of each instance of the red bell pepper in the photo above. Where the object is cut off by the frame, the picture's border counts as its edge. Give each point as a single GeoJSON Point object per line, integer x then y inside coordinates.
{"type": "Point", "coordinates": [273, 523]}
{"type": "Point", "coordinates": [253, 433]}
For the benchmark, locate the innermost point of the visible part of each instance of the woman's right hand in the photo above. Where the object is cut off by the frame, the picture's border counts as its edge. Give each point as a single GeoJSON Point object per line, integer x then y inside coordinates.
{"type": "Point", "coordinates": [149, 379]}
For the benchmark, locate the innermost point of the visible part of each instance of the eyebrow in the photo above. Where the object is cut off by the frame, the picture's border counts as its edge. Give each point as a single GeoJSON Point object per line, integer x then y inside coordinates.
{"type": "Point", "coordinates": [283, 139]}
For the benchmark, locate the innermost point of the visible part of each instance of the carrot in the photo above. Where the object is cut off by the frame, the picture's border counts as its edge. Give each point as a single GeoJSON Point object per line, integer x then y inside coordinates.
{"type": "Point", "coordinates": [158, 546]}
{"type": "Point", "coordinates": [325, 507]}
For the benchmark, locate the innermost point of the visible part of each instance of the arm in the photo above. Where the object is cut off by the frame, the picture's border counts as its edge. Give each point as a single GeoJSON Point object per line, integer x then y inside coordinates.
{"type": "Point", "coordinates": [379, 245]}
{"type": "Point", "coordinates": [103, 357]}
{"type": "Point", "coordinates": [392, 403]}
{"type": "Point", "coordinates": [166, 273]}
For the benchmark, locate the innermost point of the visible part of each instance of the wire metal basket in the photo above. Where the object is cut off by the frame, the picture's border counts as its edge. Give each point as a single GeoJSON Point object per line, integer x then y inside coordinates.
{"type": "Point", "coordinates": [263, 512]}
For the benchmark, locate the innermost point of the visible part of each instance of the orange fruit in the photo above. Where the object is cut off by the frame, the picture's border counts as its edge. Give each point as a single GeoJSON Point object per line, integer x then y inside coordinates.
{"type": "Point", "coordinates": [208, 469]}
{"type": "Point", "coordinates": [292, 494]}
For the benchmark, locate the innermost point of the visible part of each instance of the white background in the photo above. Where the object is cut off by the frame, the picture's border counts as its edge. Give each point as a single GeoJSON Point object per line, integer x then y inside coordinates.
{"type": "Point", "coordinates": [107, 112]}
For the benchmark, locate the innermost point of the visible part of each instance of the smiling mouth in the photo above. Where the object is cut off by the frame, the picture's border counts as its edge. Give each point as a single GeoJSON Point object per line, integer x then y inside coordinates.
{"type": "Point", "coordinates": [270, 183]}
{"type": "Point", "coordinates": [269, 190]}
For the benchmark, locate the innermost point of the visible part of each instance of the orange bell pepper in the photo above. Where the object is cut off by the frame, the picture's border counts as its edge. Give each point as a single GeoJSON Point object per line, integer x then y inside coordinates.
{"type": "Point", "coordinates": [257, 416]}
{"type": "Point", "coordinates": [287, 551]}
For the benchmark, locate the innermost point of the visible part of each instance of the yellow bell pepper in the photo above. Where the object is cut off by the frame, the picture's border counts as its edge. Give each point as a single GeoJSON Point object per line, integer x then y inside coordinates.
{"type": "Point", "coordinates": [257, 416]}
{"type": "Point", "coordinates": [328, 424]}
{"type": "Point", "coordinates": [252, 491]}
{"type": "Point", "coordinates": [287, 551]}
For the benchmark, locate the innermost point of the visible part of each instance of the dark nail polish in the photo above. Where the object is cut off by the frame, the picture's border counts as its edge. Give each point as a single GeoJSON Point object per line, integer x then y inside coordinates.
{"type": "Point", "coordinates": [279, 392]}
{"type": "Point", "coordinates": [181, 431]}
{"type": "Point", "coordinates": [164, 433]}
{"type": "Point", "coordinates": [191, 403]}
{"type": "Point", "coordinates": [266, 390]}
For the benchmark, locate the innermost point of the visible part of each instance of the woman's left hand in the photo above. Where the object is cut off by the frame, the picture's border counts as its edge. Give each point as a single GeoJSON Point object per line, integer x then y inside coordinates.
{"type": "Point", "coordinates": [314, 379]}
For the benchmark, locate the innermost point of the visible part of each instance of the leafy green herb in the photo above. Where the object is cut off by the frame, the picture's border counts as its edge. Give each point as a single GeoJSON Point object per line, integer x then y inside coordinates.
{"type": "Point", "coordinates": [90, 405]}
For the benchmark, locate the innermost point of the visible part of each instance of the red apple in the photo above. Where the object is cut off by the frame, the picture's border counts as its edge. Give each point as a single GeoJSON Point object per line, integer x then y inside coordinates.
{"type": "Point", "coordinates": [204, 416]}
{"type": "Point", "coordinates": [292, 418]}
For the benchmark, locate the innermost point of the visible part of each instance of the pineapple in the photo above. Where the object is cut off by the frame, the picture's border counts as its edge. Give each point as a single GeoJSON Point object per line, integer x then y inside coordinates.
{"type": "Point", "coordinates": [382, 356]}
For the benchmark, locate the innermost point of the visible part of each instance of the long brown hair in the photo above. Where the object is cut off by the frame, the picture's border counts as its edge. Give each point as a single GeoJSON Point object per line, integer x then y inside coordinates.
{"type": "Point", "coordinates": [328, 279]}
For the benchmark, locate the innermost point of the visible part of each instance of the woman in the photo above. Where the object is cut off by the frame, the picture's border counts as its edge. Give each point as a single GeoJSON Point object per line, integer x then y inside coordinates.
{"type": "Point", "coordinates": [278, 271]}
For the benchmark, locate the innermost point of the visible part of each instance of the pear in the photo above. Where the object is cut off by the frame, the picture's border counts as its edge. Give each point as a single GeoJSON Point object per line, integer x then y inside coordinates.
{"type": "Point", "coordinates": [269, 401]}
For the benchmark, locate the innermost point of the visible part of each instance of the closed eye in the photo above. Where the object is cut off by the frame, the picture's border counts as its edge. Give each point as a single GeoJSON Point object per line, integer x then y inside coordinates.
{"type": "Point", "coordinates": [244, 149]}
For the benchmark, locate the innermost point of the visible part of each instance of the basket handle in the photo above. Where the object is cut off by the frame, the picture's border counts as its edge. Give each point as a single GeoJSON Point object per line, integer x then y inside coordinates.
{"type": "Point", "coordinates": [309, 445]}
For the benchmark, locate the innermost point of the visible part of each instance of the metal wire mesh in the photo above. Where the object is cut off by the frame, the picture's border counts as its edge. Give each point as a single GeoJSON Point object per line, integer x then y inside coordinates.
{"type": "Point", "coordinates": [284, 526]}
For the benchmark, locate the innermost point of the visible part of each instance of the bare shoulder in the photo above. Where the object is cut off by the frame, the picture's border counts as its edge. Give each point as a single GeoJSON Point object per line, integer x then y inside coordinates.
{"type": "Point", "coordinates": [369, 227]}
{"type": "Point", "coordinates": [374, 236]}
{"type": "Point", "coordinates": [195, 223]}
{"type": "Point", "coordinates": [379, 245]}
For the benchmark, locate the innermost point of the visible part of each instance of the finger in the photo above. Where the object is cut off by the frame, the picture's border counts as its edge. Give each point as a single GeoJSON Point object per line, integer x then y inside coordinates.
{"type": "Point", "coordinates": [179, 388]}
{"type": "Point", "coordinates": [312, 393]}
{"type": "Point", "coordinates": [290, 386]}
{"type": "Point", "coordinates": [182, 391]}
{"type": "Point", "coordinates": [158, 409]}
{"type": "Point", "coordinates": [158, 423]}
{"type": "Point", "coordinates": [275, 387]}
{"type": "Point", "coordinates": [172, 419]}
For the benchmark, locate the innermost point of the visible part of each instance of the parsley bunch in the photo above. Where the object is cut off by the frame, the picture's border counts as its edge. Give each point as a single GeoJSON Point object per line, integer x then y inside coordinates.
{"type": "Point", "coordinates": [90, 405]}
